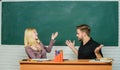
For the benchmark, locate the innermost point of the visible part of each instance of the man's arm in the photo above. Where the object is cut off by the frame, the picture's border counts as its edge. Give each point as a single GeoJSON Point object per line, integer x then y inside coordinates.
{"type": "Point", "coordinates": [71, 45]}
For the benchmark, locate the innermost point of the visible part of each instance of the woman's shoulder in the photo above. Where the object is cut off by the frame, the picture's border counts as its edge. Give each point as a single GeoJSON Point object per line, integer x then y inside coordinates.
{"type": "Point", "coordinates": [27, 47]}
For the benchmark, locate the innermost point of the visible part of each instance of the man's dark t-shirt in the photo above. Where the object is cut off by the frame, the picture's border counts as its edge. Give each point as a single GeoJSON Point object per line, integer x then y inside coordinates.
{"type": "Point", "coordinates": [87, 51]}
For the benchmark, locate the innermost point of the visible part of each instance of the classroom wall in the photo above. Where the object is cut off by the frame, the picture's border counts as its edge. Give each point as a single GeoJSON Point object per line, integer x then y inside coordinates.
{"type": "Point", "coordinates": [10, 55]}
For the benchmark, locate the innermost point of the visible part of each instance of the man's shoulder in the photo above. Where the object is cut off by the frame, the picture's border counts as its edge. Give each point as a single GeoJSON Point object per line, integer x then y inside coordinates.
{"type": "Point", "coordinates": [94, 43]}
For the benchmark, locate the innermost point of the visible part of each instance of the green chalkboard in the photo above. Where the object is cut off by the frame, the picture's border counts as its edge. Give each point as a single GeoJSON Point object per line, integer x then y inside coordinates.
{"type": "Point", "coordinates": [62, 16]}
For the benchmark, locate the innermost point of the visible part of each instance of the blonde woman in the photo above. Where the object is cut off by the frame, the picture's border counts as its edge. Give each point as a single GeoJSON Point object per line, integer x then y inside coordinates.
{"type": "Point", "coordinates": [34, 47]}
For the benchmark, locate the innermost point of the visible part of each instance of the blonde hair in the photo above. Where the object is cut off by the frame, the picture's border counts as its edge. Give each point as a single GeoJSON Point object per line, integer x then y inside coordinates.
{"type": "Point", "coordinates": [29, 39]}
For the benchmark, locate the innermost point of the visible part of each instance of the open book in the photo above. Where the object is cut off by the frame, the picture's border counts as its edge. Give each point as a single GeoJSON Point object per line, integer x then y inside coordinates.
{"type": "Point", "coordinates": [43, 59]}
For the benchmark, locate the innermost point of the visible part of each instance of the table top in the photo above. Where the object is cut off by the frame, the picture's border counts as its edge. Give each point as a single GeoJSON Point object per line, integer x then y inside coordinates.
{"type": "Point", "coordinates": [67, 62]}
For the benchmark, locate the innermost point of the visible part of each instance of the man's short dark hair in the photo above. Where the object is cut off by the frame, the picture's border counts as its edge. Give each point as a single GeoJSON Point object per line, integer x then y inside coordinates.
{"type": "Point", "coordinates": [85, 28]}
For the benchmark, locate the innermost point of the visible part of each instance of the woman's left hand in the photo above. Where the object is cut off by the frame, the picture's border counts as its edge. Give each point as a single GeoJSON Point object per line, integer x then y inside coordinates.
{"type": "Point", "coordinates": [54, 35]}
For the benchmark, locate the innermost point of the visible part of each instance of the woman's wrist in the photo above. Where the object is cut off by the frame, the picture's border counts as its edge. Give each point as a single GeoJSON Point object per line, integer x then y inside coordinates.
{"type": "Point", "coordinates": [52, 38]}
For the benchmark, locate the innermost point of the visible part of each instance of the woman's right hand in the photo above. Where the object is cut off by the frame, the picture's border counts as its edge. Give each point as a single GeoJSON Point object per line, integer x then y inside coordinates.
{"type": "Point", "coordinates": [54, 35]}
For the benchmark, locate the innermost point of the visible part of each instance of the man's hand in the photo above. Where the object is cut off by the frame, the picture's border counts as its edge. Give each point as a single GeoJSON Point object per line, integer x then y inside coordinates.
{"type": "Point", "coordinates": [97, 52]}
{"type": "Point", "coordinates": [70, 43]}
{"type": "Point", "coordinates": [98, 49]}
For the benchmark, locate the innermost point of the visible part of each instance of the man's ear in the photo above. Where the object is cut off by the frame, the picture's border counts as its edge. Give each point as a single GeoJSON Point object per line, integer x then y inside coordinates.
{"type": "Point", "coordinates": [84, 34]}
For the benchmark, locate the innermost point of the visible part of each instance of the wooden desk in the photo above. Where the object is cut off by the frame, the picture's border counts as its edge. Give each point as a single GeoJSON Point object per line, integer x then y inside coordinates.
{"type": "Point", "coordinates": [66, 65]}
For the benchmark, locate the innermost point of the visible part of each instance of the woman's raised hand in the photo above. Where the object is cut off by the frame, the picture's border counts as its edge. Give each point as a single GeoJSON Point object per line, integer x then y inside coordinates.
{"type": "Point", "coordinates": [54, 35]}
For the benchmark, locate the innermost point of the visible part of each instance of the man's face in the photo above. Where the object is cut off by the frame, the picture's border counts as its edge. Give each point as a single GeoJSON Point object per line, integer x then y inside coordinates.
{"type": "Point", "coordinates": [79, 35]}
